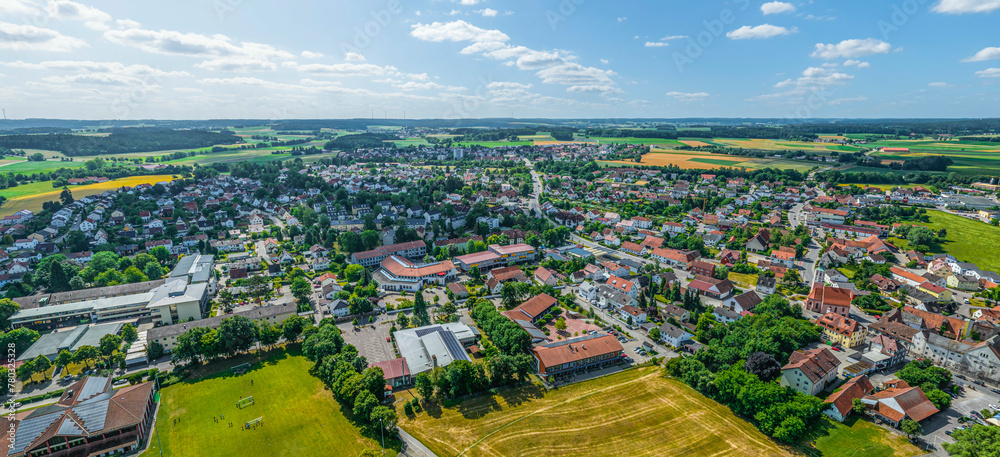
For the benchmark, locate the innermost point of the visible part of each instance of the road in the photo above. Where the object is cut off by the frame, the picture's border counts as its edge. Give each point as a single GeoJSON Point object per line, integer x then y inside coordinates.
{"type": "Point", "coordinates": [638, 336]}
{"type": "Point", "coordinates": [413, 447]}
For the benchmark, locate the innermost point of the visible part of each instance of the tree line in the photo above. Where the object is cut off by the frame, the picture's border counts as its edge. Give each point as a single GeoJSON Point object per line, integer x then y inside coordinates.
{"type": "Point", "coordinates": [120, 140]}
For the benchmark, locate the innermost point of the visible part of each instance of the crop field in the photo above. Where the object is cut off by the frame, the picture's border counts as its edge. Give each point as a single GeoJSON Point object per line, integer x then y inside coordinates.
{"type": "Point", "coordinates": [35, 197]}
{"type": "Point", "coordinates": [643, 141]}
{"type": "Point", "coordinates": [28, 168]}
{"type": "Point", "coordinates": [493, 144]}
{"type": "Point", "coordinates": [695, 143]}
{"type": "Point", "coordinates": [969, 158]}
{"type": "Point", "coordinates": [409, 142]}
{"type": "Point", "coordinates": [300, 415]}
{"type": "Point", "coordinates": [634, 413]}
{"type": "Point", "coordinates": [707, 160]}
{"type": "Point", "coordinates": [771, 145]}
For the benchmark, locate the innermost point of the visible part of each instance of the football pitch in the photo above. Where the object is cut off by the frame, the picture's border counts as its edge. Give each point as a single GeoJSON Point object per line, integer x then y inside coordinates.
{"type": "Point", "coordinates": [299, 416]}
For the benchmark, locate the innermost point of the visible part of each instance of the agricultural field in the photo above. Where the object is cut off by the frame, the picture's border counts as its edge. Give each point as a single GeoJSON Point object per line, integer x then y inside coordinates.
{"type": "Point", "coordinates": [300, 416]}
{"type": "Point", "coordinates": [970, 157]}
{"type": "Point", "coordinates": [855, 438]}
{"type": "Point", "coordinates": [635, 413]}
{"type": "Point", "coordinates": [667, 142]}
{"type": "Point", "coordinates": [33, 196]}
{"type": "Point", "coordinates": [410, 142]}
{"type": "Point", "coordinates": [966, 238]}
{"type": "Point", "coordinates": [708, 160]}
{"type": "Point", "coordinates": [493, 144]}
{"type": "Point", "coordinates": [772, 145]}
{"type": "Point", "coordinates": [28, 168]}
{"type": "Point", "coordinates": [695, 143]}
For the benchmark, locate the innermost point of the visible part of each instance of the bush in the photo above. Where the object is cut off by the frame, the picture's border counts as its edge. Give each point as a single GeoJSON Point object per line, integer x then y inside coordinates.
{"type": "Point", "coordinates": [408, 409]}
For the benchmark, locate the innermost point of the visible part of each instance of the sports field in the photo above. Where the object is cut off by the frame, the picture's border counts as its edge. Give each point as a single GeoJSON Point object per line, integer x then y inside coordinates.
{"type": "Point", "coordinates": [300, 416]}
{"type": "Point", "coordinates": [632, 413]}
{"type": "Point", "coordinates": [36, 194]}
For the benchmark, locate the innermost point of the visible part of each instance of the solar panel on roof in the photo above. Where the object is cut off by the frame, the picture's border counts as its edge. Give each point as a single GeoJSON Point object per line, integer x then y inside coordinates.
{"type": "Point", "coordinates": [94, 386]}
{"type": "Point", "coordinates": [68, 427]}
{"type": "Point", "coordinates": [29, 430]}
{"type": "Point", "coordinates": [454, 347]}
{"type": "Point", "coordinates": [93, 414]}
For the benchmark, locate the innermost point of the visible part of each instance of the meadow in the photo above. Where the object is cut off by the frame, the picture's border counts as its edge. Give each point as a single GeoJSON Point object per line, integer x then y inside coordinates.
{"type": "Point", "coordinates": [634, 413]}
{"type": "Point", "coordinates": [970, 157]}
{"type": "Point", "coordinates": [32, 196]}
{"type": "Point", "coordinates": [300, 416]}
{"type": "Point", "coordinates": [966, 238]}
{"type": "Point", "coordinates": [854, 438]}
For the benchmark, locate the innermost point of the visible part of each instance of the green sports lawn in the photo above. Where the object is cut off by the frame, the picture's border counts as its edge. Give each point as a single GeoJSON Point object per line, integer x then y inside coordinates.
{"type": "Point", "coordinates": [301, 418]}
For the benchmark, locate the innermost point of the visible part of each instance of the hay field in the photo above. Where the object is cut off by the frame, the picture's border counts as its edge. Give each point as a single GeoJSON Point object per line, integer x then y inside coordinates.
{"type": "Point", "coordinates": [771, 145]}
{"type": "Point", "coordinates": [695, 144]}
{"type": "Point", "coordinates": [634, 413]}
{"type": "Point", "coordinates": [686, 159]}
{"type": "Point", "coordinates": [33, 201]}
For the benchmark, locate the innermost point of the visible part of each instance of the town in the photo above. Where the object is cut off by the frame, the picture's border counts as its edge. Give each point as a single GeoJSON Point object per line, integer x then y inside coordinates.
{"type": "Point", "coordinates": [496, 267]}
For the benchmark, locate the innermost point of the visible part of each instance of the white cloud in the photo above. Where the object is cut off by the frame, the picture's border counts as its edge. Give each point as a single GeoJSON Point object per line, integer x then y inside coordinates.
{"type": "Point", "coordinates": [18, 8]}
{"type": "Point", "coordinates": [688, 96]}
{"type": "Point", "coordinates": [656, 44]}
{"type": "Point", "coordinates": [488, 12]}
{"type": "Point", "coordinates": [622, 19]}
{"type": "Point", "coordinates": [776, 8]}
{"type": "Point", "coordinates": [605, 61]}
{"type": "Point", "coordinates": [815, 77]}
{"type": "Point", "coordinates": [761, 31]}
{"type": "Point", "coordinates": [312, 55]}
{"type": "Point", "coordinates": [95, 67]}
{"type": "Point", "coordinates": [985, 54]}
{"type": "Point", "coordinates": [343, 69]}
{"type": "Point", "coordinates": [856, 63]}
{"type": "Point", "coordinates": [938, 84]}
{"type": "Point", "coordinates": [104, 79]}
{"type": "Point", "coordinates": [989, 73]}
{"type": "Point", "coordinates": [553, 67]}
{"type": "Point", "coordinates": [127, 24]}
{"type": "Point", "coordinates": [966, 6]}
{"type": "Point", "coordinates": [354, 57]}
{"type": "Point", "coordinates": [171, 42]}
{"type": "Point", "coordinates": [673, 37]}
{"type": "Point", "coordinates": [508, 85]}
{"type": "Point", "coordinates": [851, 49]}
{"type": "Point", "coordinates": [237, 64]}
{"type": "Point", "coordinates": [456, 31]}
{"type": "Point", "coordinates": [468, 2]}
{"type": "Point", "coordinates": [25, 37]}
{"type": "Point", "coordinates": [841, 101]}
{"type": "Point", "coordinates": [65, 10]}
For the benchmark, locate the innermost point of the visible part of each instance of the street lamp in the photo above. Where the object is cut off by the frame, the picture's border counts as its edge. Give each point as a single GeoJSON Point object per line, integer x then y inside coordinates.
{"type": "Point", "coordinates": [382, 431]}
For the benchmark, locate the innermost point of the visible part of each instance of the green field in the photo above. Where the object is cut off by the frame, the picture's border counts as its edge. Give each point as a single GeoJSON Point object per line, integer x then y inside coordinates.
{"type": "Point", "coordinates": [493, 144]}
{"type": "Point", "coordinates": [968, 240]}
{"type": "Point", "coordinates": [27, 189]}
{"type": "Point", "coordinates": [970, 157]}
{"type": "Point", "coordinates": [631, 413]}
{"type": "Point", "coordinates": [410, 142]}
{"type": "Point", "coordinates": [27, 167]}
{"type": "Point", "coordinates": [300, 416]}
{"type": "Point", "coordinates": [35, 195]}
{"type": "Point", "coordinates": [633, 140]}
{"type": "Point", "coordinates": [856, 438]}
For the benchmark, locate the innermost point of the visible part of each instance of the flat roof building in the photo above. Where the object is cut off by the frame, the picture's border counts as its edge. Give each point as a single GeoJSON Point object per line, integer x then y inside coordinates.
{"type": "Point", "coordinates": [425, 348]}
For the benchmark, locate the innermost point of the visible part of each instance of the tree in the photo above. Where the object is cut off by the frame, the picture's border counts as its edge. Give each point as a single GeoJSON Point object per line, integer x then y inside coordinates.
{"type": "Point", "coordinates": [293, 327]}
{"type": "Point", "coordinates": [154, 350]}
{"type": "Point", "coordinates": [858, 406]}
{"type": "Point", "coordinates": [420, 317]}
{"type": "Point", "coordinates": [66, 196]}
{"type": "Point", "coordinates": [763, 365]}
{"type": "Point", "coordinates": [153, 270]}
{"type": "Point", "coordinates": [42, 364]}
{"type": "Point", "coordinates": [57, 278]}
{"type": "Point", "coordinates": [402, 320]}
{"type": "Point", "coordinates": [425, 386]}
{"type": "Point", "coordinates": [26, 370]}
{"type": "Point", "coordinates": [85, 354]}
{"type": "Point", "coordinates": [561, 324]}
{"type": "Point", "coordinates": [364, 404]}
{"type": "Point", "coordinates": [654, 334]}
{"type": "Point", "coordinates": [911, 428]}
{"type": "Point", "coordinates": [268, 334]}
{"type": "Point", "coordinates": [977, 441]}
{"type": "Point", "coordinates": [237, 334]}
{"type": "Point", "coordinates": [7, 309]}
{"type": "Point", "coordinates": [301, 290]}
{"type": "Point", "coordinates": [353, 272]}
{"type": "Point", "coordinates": [792, 277]}
{"type": "Point", "coordinates": [64, 358]}
{"type": "Point", "coordinates": [129, 333]}
{"type": "Point", "coordinates": [109, 344]}
{"type": "Point", "coordinates": [385, 418]}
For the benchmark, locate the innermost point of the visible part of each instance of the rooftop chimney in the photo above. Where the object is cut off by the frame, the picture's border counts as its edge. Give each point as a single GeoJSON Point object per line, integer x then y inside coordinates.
{"type": "Point", "coordinates": [434, 360]}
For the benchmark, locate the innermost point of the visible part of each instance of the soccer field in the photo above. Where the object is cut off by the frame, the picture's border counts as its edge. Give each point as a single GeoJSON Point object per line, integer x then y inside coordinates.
{"type": "Point", "coordinates": [633, 413]}
{"type": "Point", "coordinates": [300, 417]}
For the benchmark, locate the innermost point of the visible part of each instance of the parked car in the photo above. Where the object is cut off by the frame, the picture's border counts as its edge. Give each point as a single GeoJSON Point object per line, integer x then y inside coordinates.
{"type": "Point", "coordinates": [994, 408]}
{"type": "Point", "coordinates": [996, 391]}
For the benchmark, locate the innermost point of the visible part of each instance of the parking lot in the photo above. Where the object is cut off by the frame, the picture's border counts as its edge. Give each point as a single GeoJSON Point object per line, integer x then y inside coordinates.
{"type": "Point", "coordinates": [370, 339]}
{"type": "Point", "coordinates": [936, 427]}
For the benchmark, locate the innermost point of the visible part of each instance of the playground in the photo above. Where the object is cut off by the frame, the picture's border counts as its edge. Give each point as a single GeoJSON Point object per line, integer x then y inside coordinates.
{"type": "Point", "coordinates": [262, 406]}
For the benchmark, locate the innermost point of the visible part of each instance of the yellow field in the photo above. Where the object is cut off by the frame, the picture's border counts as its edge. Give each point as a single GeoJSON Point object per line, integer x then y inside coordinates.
{"type": "Point", "coordinates": [34, 202]}
{"type": "Point", "coordinates": [686, 159]}
{"type": "Point", "coordinates": [833, 137]}
{"type": "Point", "coordinates": [633, 413]}
{"type": "Point", "coordinates": [695, 144]}
{"type": "Point", "coordinates": [773, 145]}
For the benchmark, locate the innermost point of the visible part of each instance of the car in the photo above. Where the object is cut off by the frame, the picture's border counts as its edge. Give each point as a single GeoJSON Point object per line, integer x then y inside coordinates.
{"type": "Point", "coordinates": [388, 339]}
{"type": "Point", "coordinates": [947, 432]}
{"type": "Point", "coordinates": [966, 301]}
{"type": "Point", "coordinates": [994, 408]}
{"type": "Point", "coordinates": [960, 376]}
{"type": "Point", "coordinates": [996, 391]}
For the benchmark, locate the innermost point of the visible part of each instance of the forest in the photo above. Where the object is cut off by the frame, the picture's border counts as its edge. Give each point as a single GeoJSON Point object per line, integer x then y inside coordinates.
{"type": "Point", "coordinates": [361, 141]}
{"type": "Point", "coordinates": [120, 141]}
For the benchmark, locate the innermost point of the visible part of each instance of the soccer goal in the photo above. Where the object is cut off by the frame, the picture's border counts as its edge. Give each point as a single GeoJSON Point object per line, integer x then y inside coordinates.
{"type": "Point", "coordinates": [240, 369]}
{"type": "Point", "coordinates": [257, 421]}
{"type": "Point", "coordinates": [244, 402]}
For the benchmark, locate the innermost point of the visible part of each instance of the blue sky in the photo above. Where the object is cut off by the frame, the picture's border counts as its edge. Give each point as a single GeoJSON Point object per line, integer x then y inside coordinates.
{"type": "Point", "coordinates": [194, 59]}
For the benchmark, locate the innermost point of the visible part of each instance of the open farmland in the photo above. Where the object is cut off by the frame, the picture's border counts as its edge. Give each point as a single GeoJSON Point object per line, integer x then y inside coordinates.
{"type": "Point", "coordinates": [966, 239]}
{"type": "Point", "coordinates": [695, 143]}
{"type": "Point", "coordinates": [33, 201]}
{"type": "Point", "coordinates": [772, 145]}
{"type": "Point", "coordinates": [632, 140]}
{"type": "Point", "coordinates": [707, 160]}
{"type": "Point", "coordinates": [635, 412]}
{"type": "Point", "coordinates": [971, 158]}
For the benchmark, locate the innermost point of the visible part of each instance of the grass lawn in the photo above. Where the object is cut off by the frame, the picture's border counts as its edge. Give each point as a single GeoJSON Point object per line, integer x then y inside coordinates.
{"type": "Point", "coordinates": [966, 239]}
{"type": "Point", "coordinates": [632, 413]}
{"type": "Point", "coordinates": [301, 417]}
{"type": "Point", "coordinates": [748, 282]}
{"type": "Point", "coordinates": [856, 438]}
{"type": "Point", "coordinates": [34, 200]}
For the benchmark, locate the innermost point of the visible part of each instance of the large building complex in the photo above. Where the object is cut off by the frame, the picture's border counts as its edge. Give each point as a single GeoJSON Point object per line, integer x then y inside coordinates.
{"type": "Point", "coordinates": [425, 348]}
{"type": "Point", "coordinates": [412, 249]}
{"type": "Point", "coordinates": [90, 419]}
{"type": "Point", "coordinates": [577, 354]}
{"type": "Point", "coordinates": [399, 273]}
{"type": "Point", "coordinates": [166, 336]}
{"type": "Point", "coordinates": [184, 295]}
{"type": "Point", "coordinates": [496, 256]}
